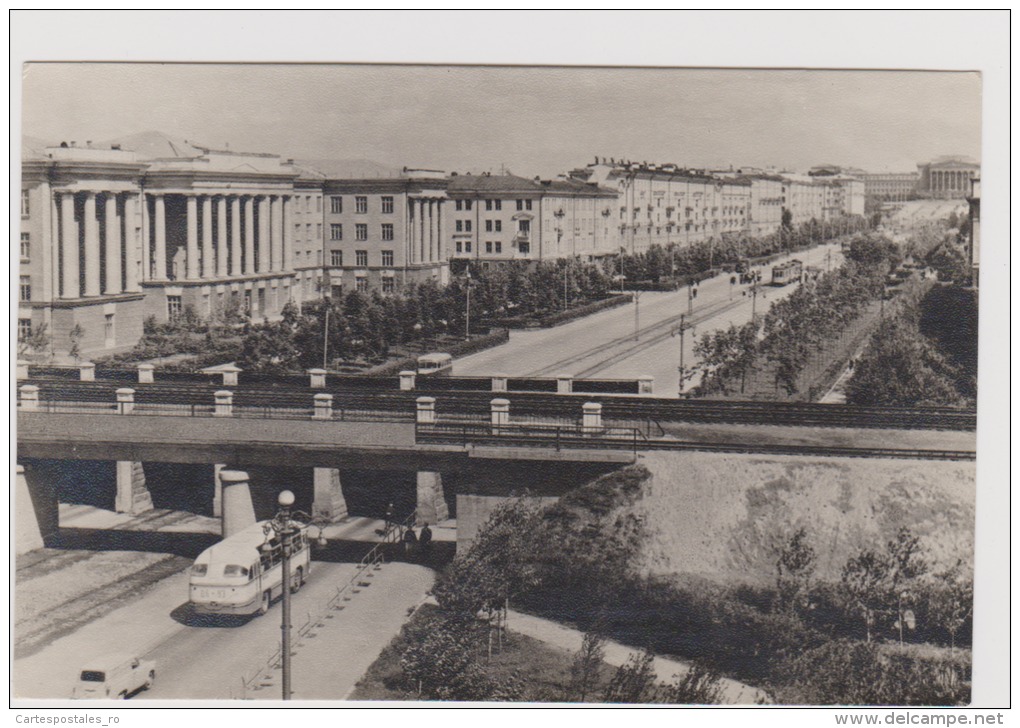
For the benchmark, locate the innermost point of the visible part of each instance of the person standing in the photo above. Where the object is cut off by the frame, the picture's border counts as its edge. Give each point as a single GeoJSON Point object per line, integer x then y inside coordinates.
{"type": "Point", "coordinates": [425, 539]}
{"type": "Point", "coordinates": [410, 541]}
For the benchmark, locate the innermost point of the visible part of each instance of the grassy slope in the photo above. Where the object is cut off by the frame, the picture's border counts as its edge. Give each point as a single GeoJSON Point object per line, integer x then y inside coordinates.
{"type": "Point", "coordinates": [719, 515]}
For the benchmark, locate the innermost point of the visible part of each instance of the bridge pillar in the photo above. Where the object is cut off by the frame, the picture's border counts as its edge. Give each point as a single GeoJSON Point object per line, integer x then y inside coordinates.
{"type": "Point", "coordinates": [645, 384]}
{"type": "Point", "coordinates": [328, 501]}
{"type": "Point", "coordinates": [407, 381]}
{"type": "Point", "coordinates": [29, 397]}
{"type": "Point", "coordinates": [87, 371]}
{"type": "Point", "coordinates": [432, 506]}
{"type": "Point", "coordinates": [22, 369]}
{"type": "Point", "coordinates": [500, 414]}
{"type": "Point", "coordinates": [224, 403]}
{"type": "Point", "coordinates": [132, 494]}
{"type": "Point", "coordinates": [28, 535]}
{"type": "Point", "coordinates": [591, 417]}
{"type": "Point", "coordinates": [238, 511]}
{"type": "Point", "coordinates": [564, 384]}
{"type": "Point", "coordinates": [317, 378]}
{"type": "Point", "coordinates": [499, 382]}
{"type": "Point", "coordinates": [145, 373]}
{"type": "Point", "coordinates": [125, 400]}
{"type": "Point", "coordinates": [323, 406]}
{"type": "Point", "coordinates": [230, 376]}
{"type": "Point", "coordinates": [426, 414]}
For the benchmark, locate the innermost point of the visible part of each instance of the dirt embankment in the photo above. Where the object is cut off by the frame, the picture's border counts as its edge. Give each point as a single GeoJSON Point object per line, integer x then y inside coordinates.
{"type": "Point", "coordinates": [724, 516]}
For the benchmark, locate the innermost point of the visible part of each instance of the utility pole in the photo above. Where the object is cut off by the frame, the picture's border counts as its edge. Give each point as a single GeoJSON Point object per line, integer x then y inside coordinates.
{"type": "Point", "coordinates": [681, 330]}
{"type": "Point", "coordinates": [637, 313]}
{"type": "Point", "coordinates": [325, 334]}
{"type": "Point", "coordinates": [467, 312]}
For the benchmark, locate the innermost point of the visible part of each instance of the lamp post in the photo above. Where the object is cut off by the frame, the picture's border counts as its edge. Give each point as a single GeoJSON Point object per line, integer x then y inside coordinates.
{"type": "Point", "coordinates": [681, 330]}
{"type": "Point", "coordinates": [559, 236]}
{"type": "Point", "coordinates": [467, 311]}
{"type": "Point", "coordinates": [285, 527]}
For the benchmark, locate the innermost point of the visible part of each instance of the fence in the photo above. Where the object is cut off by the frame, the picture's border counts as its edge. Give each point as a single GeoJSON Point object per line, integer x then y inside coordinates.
{"type": "Point", "coordinates": [558, 437]}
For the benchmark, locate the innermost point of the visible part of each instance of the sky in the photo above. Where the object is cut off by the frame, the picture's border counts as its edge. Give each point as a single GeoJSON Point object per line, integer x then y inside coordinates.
{"type": "Point", "coordinates": [527, 120]}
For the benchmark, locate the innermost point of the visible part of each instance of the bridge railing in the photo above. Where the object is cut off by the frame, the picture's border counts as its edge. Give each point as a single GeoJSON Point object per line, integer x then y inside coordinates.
{"type": "Point", "coordinates": [557, 437]}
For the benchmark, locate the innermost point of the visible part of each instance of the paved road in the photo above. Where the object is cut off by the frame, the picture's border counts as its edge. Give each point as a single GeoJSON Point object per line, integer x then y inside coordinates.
{"type": "Point", "coordinates": [604, 345]}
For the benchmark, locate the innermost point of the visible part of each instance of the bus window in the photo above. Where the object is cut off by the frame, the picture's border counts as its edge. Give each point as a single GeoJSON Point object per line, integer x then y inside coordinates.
{"type": "Point", "coordinates": [199, 569]}
{"type": "Point", "coordinates": [234, 570]}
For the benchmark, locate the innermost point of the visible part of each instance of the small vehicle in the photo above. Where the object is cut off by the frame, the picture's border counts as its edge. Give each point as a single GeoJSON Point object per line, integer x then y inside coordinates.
{"type": "Point", "coordinates": [437, 365]}
{"type": "Point", "coordinates": [114, 677]}
{"type": "Point", "coordinates": [788, 272]}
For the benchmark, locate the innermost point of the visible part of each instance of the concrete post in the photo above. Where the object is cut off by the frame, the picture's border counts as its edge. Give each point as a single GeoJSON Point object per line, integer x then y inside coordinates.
{"type": "Point", "coordinates": [125, 400]}
{"type": "Point", "coordinates": [238, 511]}
{"type": "Point", "coordinates": [500, 414]}
{"type": "Point", "coordinates": [564, 384]}
{"type": "Point", "coordinates": [217, 499]}
{"type": "Point", "coordinates": [499, 382]}
{"type": "Point", "coordinates": [87, 371]}
{"type": "Point", "coordinates": [591, 417]}
{"type": "Point", "coordinates": [22, 369]}
{"type": "Point", "coordinates": [224, 403]}
{"type": "Point", "coordinates": [28, 536]}
{"type": "Point", "coordinates": [645, 384]}
{"type": "Point", "coordinates": [426, 410]}
{"type": "Point", "coordinates": [328, 500]}
{"type": "Point", "coordinates": [318, 378]}
{"type": "Point", "coordinates": [323, 406]}
{"type": "Point", "coordinates": [132, 494]}
{"type": "Point", "coordinates": [230, 376]}
{"type": "Point", "coordinates": [432, 506]}
{"type": "Point", "coordinates": [407, 381]}
{"type": "Point", "coordinates": [29, 397]}
{"type": "Point", "coordinates": [145, 375]}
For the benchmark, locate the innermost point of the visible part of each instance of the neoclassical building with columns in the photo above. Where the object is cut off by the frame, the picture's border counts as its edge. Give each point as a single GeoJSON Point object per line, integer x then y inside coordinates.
{"type": "Point", "coordinates": [112, 235]}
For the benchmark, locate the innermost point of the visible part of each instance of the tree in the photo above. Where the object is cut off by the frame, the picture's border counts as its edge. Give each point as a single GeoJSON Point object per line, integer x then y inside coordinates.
{"type": "Point", "coordinates": [864, 585]}
{"type": "Point", "coordinates": [38, 341]}
{"type": "Point", "coordinates": [700, 685]}
{"type": "Point", "coordinates": [75, 336]}
{"type": "Point", "coordinates": [586, 668]}
{"type": "Point", "coordinates": [794, 566]}
{"type": "Point", "coordinates": [786, 221]}
{"type": "Point", "coordinates": [951, 601]}
{"type": "Point", "coordinates": [634, 681]}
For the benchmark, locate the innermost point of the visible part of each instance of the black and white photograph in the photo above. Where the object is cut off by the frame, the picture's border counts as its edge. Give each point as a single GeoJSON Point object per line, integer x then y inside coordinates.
{"type": "Point", "coordinates": [362, 380]}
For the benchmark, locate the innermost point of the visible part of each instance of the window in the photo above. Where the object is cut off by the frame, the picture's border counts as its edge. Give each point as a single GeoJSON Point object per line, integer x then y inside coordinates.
{"type": "Point", "coordinates": [26, 246]}
{"type": "Point", "coordinates": [488, 247]}
{"type": "Point", "coordinates": [297, 231]}
{"type": "Point", "coordinates": [460, 226]}
{"type": "Point", "coordinates": [525, 248]}
{"type": "Point", "coordinates": [520, 204]}
{"type": "Point", "coordinates": [361, 231]}
{"type": "Point", "coordinates": [387, 205]}
{"type": "Point", "coordinates": [308, 203]}
{"type": "Point", "coordinates": [459, 205]}
{"type": "Point", "coordinates": [318, 204]}
{"type": "Point", "coordinates": [336, 290]}
{"type": "Point", "coordinates": [499, 247]}
{"type": "Point", "coordinates": [527, 204]}
{"type": "Point", "coordinates": [318, 231]}
{"type": "Point", "coordinates": [467, 246]}
{"type": "Point", "coordinates": [336, 231]}
{"type": "Point", "coordinates": [488, 205]}
{"type": "Point", "coordinates": [499, 204]}
{"type": "Point", "coordinates": [361, 204]}
{"type": "Point", "coordinates": [499, 225]}
{"type": "Point", "coordinates": [467, 204]}
{"type": "Point", "coordinates": [25, 289]}
{"type": "Point", "coordinates": [308, 231]}
{"type": "Point", "coordinates": [460, 247]}
{"type": "Point", "coordinates": [336, 258]}
{"type": "Point", "coordinates": [24, 203]}
{"type": "Point", "coordinates": [387, 285]}
{"type": "Point", "coordinates": [173, 306]}
{"type": "Point", "coordinates": [361, 258]}
{"type": "Point", "coordinates": [361, 285]}
{"type": "Point", "coordinates": [387, 258]}
{"type": "Point", "coordinates": [108, 328]}
{"type": "Point", "coordinates": [336, 205]}
{"type": "Point", "coordinates": [387, 231]}
{"type": "Point", "coordinates": [488, 226]}
{"type": "Point", "coordinates": [24, 328]}
{"type": "Point", "coordinates": [467, 226]}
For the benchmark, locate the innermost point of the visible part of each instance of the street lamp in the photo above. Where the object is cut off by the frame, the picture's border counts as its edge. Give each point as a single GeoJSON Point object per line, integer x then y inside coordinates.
{"type": "Point", "coordinates": [681, 330]}
{"type": "Point", "coordinates": [285, 527]}
{"type": "Point", "coordinates": [467, 312]}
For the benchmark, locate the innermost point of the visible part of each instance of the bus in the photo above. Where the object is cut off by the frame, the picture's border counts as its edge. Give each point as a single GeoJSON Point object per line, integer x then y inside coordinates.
{"type": "Point", "coordinates": [788, 272]}
{"type": "Point", "coordinates": [243, 573]}
{"type": "Point", "coordinates": [437, 365]}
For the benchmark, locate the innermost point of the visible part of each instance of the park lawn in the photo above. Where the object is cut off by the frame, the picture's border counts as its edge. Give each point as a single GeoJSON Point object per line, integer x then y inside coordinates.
{"type": "Point", "coordinates": [544, 669]}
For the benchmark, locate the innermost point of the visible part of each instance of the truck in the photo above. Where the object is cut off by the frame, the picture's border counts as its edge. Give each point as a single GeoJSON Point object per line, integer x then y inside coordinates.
{"type": "Point", "coordinates": [114, 677]}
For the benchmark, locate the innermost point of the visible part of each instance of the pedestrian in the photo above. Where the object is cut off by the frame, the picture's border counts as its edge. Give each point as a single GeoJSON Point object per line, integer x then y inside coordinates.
{"type": "Point", "coordinates": [389, 516]}
{"type": "Point", "coordinates": [410, 541]}
{"type": "Point", "coordinates": [425, 539]}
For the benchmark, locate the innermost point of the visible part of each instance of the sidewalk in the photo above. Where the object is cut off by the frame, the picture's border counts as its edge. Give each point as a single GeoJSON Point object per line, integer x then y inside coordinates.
{"type": "Point", "coordinates": [545, 630]}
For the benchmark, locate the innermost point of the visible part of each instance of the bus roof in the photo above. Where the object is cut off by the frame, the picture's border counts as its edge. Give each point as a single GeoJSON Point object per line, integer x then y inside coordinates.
{"type": "Point", "coordinates": [239, 548]}
{"type": "Point", "coordinates": [436, 357]}
{"type": "Point", "coordinates": [105, 663]}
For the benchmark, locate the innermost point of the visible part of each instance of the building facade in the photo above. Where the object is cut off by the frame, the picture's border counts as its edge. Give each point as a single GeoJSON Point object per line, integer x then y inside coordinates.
{"type": "Point", "coordinates": [890, 186]}
{"type": "Point", "coordinates": [947, 177]}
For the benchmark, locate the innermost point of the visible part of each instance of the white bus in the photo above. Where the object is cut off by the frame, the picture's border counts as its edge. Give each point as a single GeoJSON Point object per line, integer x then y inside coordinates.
{"type": "Point", "coordinates": [437, 364]}
{"type": "Point", "coordinates": [242, 574]}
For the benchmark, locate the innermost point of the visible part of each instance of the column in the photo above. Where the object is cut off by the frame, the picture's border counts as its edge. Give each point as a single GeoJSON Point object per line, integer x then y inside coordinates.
{"type": "Point", "coordinates": [130, 245]}
{"type": "Point", "coordinates": [249, 235]}
{"type": "Point", "coordinates": [238, 511]}
{"type": "Point", "coordinates": [431, 231]}
{"type": "Point", "coordinates": [431, 506]}
{"type": "Point", "coordinates": [264, 247]}
{"type": "Point", "coordinates": [113, 243]}
{"type": "Point", "coordinates": [421, 229]}
{"type": "Point", "coordinates": [160, 238]}
{"type": "Point", "coordinates": [91, 245]}
{"type": "Point", "coordinates": [191, 268]}
{"type": "Point", "coordinates": [132, 495]}
{"type": "Point", "coordinates": [276, 260]}
{"type": "Point", "coordinates": [329, 502]}
{"type": "Point", "coordinates": [69, 245]}
{"type": "Point", "coordinates": [28, 534]}
{"type": "Point", "coordinates": [288, 233]}
{"type": "Point", "coordinates": [235, 236]}
{"type": "Point", "coordinates": [221, 237]}
{"type": "Point", "coordinates": [410, 232]}
{"type": "Point", "coordinates": [208, 259]}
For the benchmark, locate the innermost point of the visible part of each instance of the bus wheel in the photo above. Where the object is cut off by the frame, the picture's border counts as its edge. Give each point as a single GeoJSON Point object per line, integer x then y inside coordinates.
{"type": "Point", "coordinates": [264, 607]}
{"type": "Point", "coordinates": [298, 580]}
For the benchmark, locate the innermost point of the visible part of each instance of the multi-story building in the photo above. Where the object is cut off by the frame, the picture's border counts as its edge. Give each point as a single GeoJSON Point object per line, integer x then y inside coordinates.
{"type": "Point", "coordinates": [803, 198]}
{"type": "Point", "coordinates": [766, 210]}
{"type": "Point", "coordinates": [947, 177]}
{"type": "Point", "coordinates": [890, 186]}
{"type": "Point", "coordinates": [974, 201]}
{"type": "Point", "coordinates": [385, 232]}
{"type": "Point", "coordinates": [495, 218]}
{"type": "Point", "coordinates": [577, 220]}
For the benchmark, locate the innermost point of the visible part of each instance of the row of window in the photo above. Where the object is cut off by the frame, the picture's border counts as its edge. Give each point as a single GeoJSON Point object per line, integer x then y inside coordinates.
{"type": "Point", "coordinates": [491, 246]}
{"type": "Point", "coordinates": [336, 231]}
{"type": "Point", "coordinates": [336, 205]}
{"type": "Point", "coordinates": [336, 258]}
{"type": "Point", "coordinates": [361, 286]}
{"type": "Point", "coordinates": [491, 205]}
{"type": "Point", "coordinates": [464, 226]}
